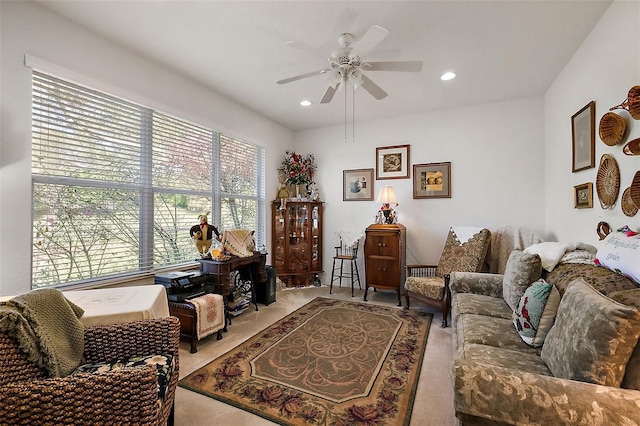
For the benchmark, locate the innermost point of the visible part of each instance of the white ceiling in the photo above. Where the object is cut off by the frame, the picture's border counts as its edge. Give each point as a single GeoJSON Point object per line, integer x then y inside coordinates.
{"type": "Point", "coordinates": [499, 49]}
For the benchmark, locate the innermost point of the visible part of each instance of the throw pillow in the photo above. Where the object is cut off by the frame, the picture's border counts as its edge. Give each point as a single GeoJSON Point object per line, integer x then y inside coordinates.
{"type": "Point", "coordinates": [536, 312]}
{"type": "Point", "coordinates": [164, 365]}
{"type": "Point", "coordinates": [632, 373]}
{"type": "Point", "coordinates": [521, 270]}
{"type": "Point", "coordinates": [464, 251]}
{"type": "Point", "coordinates": [593, 337]}
{"type": "Point", "coordinates": [620, 252]}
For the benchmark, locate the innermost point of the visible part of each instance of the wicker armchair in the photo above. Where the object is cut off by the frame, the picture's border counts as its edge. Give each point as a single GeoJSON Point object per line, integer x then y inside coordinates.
{"type": "Point", "coordinates": [127, 396]}
{"type": "Point", "coordinates": [430, 283]}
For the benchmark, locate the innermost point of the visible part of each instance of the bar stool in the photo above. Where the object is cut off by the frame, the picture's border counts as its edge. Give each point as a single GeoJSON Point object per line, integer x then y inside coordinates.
{"type": "Point", "coordinates": [346, 253]}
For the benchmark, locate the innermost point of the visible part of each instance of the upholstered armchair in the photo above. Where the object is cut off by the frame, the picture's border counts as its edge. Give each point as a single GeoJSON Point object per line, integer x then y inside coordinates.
{"type": "Point", "coordinates": [464, 251]}
{"type": "Point", "coordinates": [101, 392]}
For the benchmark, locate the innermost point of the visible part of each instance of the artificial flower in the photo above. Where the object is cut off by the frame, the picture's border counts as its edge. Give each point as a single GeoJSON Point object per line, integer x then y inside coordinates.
{"type": "Point", "coordinates": [298, 169]}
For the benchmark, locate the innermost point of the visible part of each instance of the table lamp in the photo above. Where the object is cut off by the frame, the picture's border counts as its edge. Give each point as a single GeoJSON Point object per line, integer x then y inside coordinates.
{"type": "Point", "coordinates": [387, 197]}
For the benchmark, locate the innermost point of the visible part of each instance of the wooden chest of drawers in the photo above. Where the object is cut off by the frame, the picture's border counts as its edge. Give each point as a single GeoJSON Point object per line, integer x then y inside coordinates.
{"type": "Point", "coordinates": [385, 258]}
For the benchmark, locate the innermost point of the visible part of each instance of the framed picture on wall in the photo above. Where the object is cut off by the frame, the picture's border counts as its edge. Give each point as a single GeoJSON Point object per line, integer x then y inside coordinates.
{"type": "Point", "coordinates": [432, 180]}
{"type": "Point", "coordinates": [583, 134]}
{"type": "Point", "coordinates": [392, 162]}
{"type": "Point", "coordinates": [583, 196]}
{"type": "Point", "coordinates": [357, 185]}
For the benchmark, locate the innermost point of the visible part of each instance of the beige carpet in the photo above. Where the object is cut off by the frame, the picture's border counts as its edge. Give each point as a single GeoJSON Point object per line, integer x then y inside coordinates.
{"type": "Point", "coordinates": [331, 362]}
{"type": "Point", "coordinates": [434, 395]}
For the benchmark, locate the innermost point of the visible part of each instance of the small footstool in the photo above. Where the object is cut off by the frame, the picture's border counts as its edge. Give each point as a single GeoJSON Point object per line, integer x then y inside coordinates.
{"type": "Point", "coordinates": [200, 317]}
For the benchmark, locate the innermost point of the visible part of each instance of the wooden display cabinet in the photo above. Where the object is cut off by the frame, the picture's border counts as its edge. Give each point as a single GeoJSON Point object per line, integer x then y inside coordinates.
{"type": "Point", "coordinates": [385, 258]}
{"type": "Point", "coordinates": [297, 241]}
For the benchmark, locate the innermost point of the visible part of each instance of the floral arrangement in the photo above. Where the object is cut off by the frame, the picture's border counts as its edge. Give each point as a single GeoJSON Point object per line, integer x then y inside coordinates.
{"type": "Point", "coordinates": [298, 169]}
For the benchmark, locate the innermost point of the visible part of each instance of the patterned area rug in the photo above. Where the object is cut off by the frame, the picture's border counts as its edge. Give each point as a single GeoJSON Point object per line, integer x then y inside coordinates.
{"type": "Point", "coordinates": [331, 362]}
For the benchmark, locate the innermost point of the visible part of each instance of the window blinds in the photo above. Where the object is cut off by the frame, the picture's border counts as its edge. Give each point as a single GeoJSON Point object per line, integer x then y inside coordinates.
{"type": "Point", "coordinates": [116, 186]}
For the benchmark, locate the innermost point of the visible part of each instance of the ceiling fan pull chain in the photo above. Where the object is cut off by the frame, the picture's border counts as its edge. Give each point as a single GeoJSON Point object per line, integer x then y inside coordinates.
{"type": "Point", "coordinates": [345, 114]}
{"type": "Point", "coordinates": [353, 113]}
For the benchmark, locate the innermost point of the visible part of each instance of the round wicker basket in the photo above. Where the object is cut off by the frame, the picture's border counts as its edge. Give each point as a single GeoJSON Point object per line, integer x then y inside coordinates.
{"type": "Point", "coordinates": [632, 147]}
{"type": "Point", "coordinates": [632, 103]}
{"type": "Point", "coordinates": [608, 181]}
{"type": "Point", "coordinates": [612, 128]}
{"type": "Point", "coordinates": [628, 207]}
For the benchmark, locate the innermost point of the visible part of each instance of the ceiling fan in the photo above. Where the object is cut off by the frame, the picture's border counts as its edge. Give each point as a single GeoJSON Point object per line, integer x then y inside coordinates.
{"type": "Point", "coordinates": [347, 65]}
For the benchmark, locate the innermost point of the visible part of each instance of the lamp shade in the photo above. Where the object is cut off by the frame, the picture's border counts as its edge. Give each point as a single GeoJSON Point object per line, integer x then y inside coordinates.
{"type": "Point", "coordinates": [386, 195]}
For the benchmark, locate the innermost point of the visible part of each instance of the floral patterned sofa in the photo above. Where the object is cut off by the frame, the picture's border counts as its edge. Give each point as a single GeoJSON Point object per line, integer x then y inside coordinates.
{"type": "Point", "coordinates": [585, 371]}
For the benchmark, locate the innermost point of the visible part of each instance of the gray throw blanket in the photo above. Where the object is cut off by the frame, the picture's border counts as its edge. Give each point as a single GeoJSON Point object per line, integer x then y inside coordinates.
{"type": "Point", "coordinates": [47, 328]}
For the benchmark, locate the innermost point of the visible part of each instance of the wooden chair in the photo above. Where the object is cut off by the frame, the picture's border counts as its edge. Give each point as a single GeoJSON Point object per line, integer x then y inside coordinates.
{"type": "Point", "coordinates": [347, 253]}
{"type": "Point", "coordinates": [430, 283]}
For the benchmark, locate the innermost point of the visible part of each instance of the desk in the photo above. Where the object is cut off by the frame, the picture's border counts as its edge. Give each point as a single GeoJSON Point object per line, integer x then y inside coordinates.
{"type": "Point", "coordinates": [219, 272]}
{"type": "Point", "coordinates": [120, 304]}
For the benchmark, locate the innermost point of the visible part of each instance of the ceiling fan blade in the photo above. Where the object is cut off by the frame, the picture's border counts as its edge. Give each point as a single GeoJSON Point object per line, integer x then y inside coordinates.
{"type": "Point", "coordinates": [328, 94]}
{"type": "Point", "coordinates": [306, 48]}
{"type": "Point", "coordinates": [405, 66]}
{"type": "Point", "coordinates": [301, 76]}
{"type": "Point", "coordinates": [373, 88]}
{"type": "Point", "coordinates": [370, 40]}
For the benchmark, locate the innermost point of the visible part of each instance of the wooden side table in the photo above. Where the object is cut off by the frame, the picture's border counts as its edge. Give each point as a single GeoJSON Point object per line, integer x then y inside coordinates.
{"type": "Point", "coordinates": [385, 258]}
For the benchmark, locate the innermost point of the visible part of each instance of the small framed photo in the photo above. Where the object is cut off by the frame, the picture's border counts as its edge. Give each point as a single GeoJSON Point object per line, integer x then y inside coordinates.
{"type": "Point", "coordinates": [432, 180]}
{"type": "Point", "coordinates": [583, 196]}
{"type": "Point", "coordinates": [392, 162]}
{"type": "Point", "coordinates": [357, 185]}
{"type": "Point", "coordinates": [583, 134]}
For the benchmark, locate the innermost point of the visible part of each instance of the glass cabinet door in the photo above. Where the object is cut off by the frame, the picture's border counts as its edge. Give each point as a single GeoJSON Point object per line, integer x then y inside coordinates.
{"type": "Point", "coordinates": [279, 258]}
{"type": "Point", "coordinates": [316, 258]}
{"type": "Point", "coordinates": [297, 241]}
{"type": "Point", "coordinates": [298, 238]}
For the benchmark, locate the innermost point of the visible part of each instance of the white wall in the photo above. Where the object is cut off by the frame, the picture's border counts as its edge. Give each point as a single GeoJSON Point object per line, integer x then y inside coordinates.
{"type": "Point", "coordinates": [511, 161]}
{"type": "Point", "coordinates": [497, 172]}
{"type": "Point", "coordinates": [27, 28]}
{"type": "Point", "coordinates": [603, 70]}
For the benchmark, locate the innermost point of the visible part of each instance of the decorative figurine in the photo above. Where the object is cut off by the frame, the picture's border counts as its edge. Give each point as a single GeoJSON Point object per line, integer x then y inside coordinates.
{"type": "Point", "coordinates": [314, 193]}
{"type": "Point", "coordinates": [202, 234]}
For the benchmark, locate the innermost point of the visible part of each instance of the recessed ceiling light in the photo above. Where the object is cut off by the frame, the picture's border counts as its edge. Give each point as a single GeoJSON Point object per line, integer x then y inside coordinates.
{"type": "Point", "coordinates": [305, 103]}
{"type": "Point", "coordinates": [448, 76]}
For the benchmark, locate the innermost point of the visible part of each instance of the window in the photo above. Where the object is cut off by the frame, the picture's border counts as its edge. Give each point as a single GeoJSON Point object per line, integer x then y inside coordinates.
{"type": "Point", "coordinates": [116, 186]}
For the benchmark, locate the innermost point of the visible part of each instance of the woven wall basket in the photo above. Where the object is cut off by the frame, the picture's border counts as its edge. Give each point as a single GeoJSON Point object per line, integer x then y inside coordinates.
{"type": "Point", "coordinates": [634, 190]}
{"type": "Point", "coordinates": [628, 207]}
{"type": "Point", "coordinates": [632, 147]}
{"type": "Point", "coordinates": [612, 128]}
{"type": "Point", "coordinates": [632, 103]}
{"type": "Point", "coordinates": [608, 181]}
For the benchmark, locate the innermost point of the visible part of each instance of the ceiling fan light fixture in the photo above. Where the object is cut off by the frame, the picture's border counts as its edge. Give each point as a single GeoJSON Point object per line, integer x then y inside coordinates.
{"type": "Point", "coordinates": [306, 103]}
{"type": "Point", "coordinates": [448, 76]}
{"type": "Point", "coordinates": [335, 78]}
{"type": "Point", "coordinates": [355, 77]}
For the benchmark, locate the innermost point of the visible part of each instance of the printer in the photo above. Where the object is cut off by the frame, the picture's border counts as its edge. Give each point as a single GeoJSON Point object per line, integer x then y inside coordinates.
{"type": "Point", "coordinates": [183, 285]}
